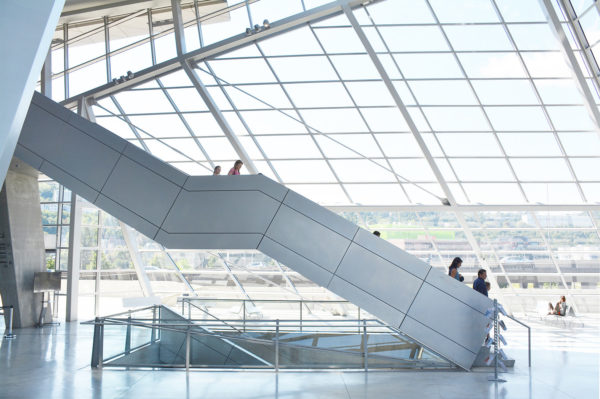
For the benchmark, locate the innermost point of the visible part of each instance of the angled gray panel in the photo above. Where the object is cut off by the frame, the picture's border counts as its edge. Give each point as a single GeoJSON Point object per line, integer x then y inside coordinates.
{"type": "Point", "coordinates": [139, 189]}
{"type": "Point", "coordinates": [392, 253]}
{"type": "Point", "coordinates": [27, 156]}
{"type": "Point", "coordinates": [221, 212]}
{"type": "Point", "coordinates": [208, 240]}
{"type": "Point", "coordinates": [376, 275]}
{"type": "Point", "coordinates": [85, 158]}
{"type": "Point", "coordinates": [132, 219]}
{"type": "Point", "coordinates": [366, 301]}
{"type": "Point", "coordinates": [307, 237]}
{"type": "Point", "coordinates": [455, 288]}
{"type": "Point", "coordinates": [241, 183]}
{"type": "Point", "coordinates": [154, 164]}
{"type": "Point", "coordinates": [440, 344]}
{"type": "Point", "coordinates": [91, 129]}
{"type": "Point", "coordinates": [75, 185]}
{"type": "Point", "coordinates": [448, 316]}
{"type": "Point", "coordinates": [308, 269]}
{"type": "Point", "coordinates": [321, 215]}
{"type": "Point", "coordinates": [243, 212]}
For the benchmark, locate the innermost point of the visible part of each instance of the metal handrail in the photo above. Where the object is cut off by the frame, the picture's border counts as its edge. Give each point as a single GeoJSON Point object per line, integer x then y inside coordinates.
{"type": "Point", "coordinates": [189, 332]}
{"type": "Point", "coordinates": [9, 334]}
{"type": "Point", "coordinates": [528, 336]}
{"type": "Point", "coordinates": [300, 302]}
{"type": "Point", "coordinates": [210, 314]}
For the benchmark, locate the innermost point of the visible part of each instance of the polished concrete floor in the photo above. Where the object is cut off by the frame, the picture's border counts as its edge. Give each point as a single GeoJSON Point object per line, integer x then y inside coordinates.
{"type": "Point", "coordinates": [53, 362]}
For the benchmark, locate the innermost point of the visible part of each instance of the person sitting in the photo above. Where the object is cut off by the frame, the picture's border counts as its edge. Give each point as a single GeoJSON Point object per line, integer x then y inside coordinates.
{"type": "Point", "coordinates": [479, 283]}
{"type": "Point", "coordinates": [235, 171]}
{"type": "Point", "coordinates": [217, 171]}
{"type": "Point", "coordinates": [560, 309]}
{"type": "Point", "coordinates": [378, 234]}
{"type": "Point", "coordinates": [453, 269]}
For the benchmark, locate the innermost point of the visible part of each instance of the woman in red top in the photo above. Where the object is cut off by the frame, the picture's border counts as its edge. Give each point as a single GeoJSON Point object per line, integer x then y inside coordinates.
{"type": "Point", "coordinates": [236, 168]}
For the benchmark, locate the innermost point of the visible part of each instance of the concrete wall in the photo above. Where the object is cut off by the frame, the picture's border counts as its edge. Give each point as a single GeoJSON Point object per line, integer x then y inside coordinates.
{"type": "Point", "coordinates": [21, 243]}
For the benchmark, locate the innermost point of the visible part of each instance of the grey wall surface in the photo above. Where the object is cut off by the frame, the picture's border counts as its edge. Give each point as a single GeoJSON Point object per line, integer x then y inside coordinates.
{"type": "Point", "coordinates": [254, 212]}
{"type": "Point", "coordinates": [21, 243]}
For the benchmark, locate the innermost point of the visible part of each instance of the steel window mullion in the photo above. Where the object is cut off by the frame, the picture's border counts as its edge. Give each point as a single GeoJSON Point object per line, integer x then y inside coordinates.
{"type": "Point", "coordinates": [185, 123]}
{"type": "Point", "coordinates": [556, 26]}
{"type": "Point", "coordinates": [417, 104]}
{"type": "Point", "coordinates": [131, 126]}
{"type": "Point", "coordinates": [400, 104]}
{"type": "Point", "coordinates": [246, 126]}
{"type": "Point", "coordinates": [135, 129]}
{"type": "Point", "coordinates": [579, 36]}
{"type": "Point", "coordinates": [479, 103]}
{"type": "Point", "coordinates": [301, 120]}
{"type": "Point", "coordinates": [539, 98]}
{"type": "Point", "coordinates": [362, 117]}
{"type": "Point", "coordinates": [151, 37]}
{"type": "Point", "coordinates": [219, 117]}
{"type": "Point", "coordinates": [107, 49]}
{"type": "Point", "coordinates": [552, 257]}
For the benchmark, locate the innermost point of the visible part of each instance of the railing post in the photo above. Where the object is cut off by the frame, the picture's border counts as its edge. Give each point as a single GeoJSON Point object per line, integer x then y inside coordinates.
{"type": "Point", "coordinates": [153, 336]}
{"type": "Point", "coordinates": [365, 348]}
{"type": "Point", "coordinates": [9, 334]}
{"type": "Point", "coordinates": [183, 306]}
{"type": "Point", "coordinates": [187, 349]}
{"type": "Point", "coordinates": [358, 318]}
{"type": "Point", "coordinates": [244, 312]}
{"type": "Point", "coordinates": [128, 335]}
{"type": "Point", "coordinates": [301, 315]}
{"type": "Point", "coordinates": [189, 310]}
{"type": "Point", "coordinates": [277, 345]}
{"type": "Point", "coordinates": [529, 344]}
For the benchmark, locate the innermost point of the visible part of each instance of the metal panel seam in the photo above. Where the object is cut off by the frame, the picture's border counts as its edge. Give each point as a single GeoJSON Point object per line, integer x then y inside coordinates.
{"type": "Point", "coordinates": [80, 130]}
{"type": "Point", "coordinates": [419, 290]}
{"type": "Point", "coordinates": [44, 160]}
{"type": "Point", "coordinates": [389, 261]}
{"type": "Point", "coordinates": [300, 255]}
{"type": "Point", "coordinates": [343, 256]}
{"type": "Point", "coordinates": [271, 222]}
{"type": "Point", "coordinates": [437, 332]}
{"type": "Point", "coordinates": [168, 212]}
{"type": "Point", "coordinates": [376, 297]}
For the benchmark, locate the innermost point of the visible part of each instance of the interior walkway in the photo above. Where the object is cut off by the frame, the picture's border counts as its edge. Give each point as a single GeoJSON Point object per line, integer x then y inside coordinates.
{"type": "Point", "coordinates": [53, 362]}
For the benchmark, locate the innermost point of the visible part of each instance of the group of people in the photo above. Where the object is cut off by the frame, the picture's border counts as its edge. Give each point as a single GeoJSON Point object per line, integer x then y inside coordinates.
{"type": "Point", "coordinates": [479, 285]}
{"type": "Point", "coordinates": [235, 171]}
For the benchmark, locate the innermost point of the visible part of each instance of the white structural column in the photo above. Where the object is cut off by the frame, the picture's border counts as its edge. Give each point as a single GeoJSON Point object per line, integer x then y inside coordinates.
{"type": "Point", "coordinates": [136, 259]}
{"type": "Point", "coordinates": [26, 29]}
{"type": "Point", "coordinates": [73, 263]}
{"type": "Point", "coordinates": [46, 76]}
{"type": "Point", "coordinates": [558, 30]}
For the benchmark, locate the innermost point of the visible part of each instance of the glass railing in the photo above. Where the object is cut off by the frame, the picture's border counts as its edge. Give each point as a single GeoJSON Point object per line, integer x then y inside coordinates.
{"type": "Point", "coordinates": [159, 337]}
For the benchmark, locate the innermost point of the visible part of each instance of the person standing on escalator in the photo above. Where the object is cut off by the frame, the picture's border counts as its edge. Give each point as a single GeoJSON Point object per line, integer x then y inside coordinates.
{"type": "Point", "coordinates": [453, 269]}
{"type": "Point", "coordinates": [235, 171]}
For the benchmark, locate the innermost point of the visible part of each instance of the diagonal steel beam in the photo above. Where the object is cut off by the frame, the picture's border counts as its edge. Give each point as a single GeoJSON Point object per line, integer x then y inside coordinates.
{"type": "Point", "coordinates": [400, 105]}
{"type": "Point", "coordinates": [449, 200]}
{"type": "Point", "coordinates": [567, 51]}
{"type": "Point", "coordinates": [218, 115]}
{"type": "Point", "coordinates": [216, 49]}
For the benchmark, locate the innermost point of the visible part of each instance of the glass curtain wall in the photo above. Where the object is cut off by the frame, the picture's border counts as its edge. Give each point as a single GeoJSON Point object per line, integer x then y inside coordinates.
{"type": "Point", "coordinates": [485, 86]}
